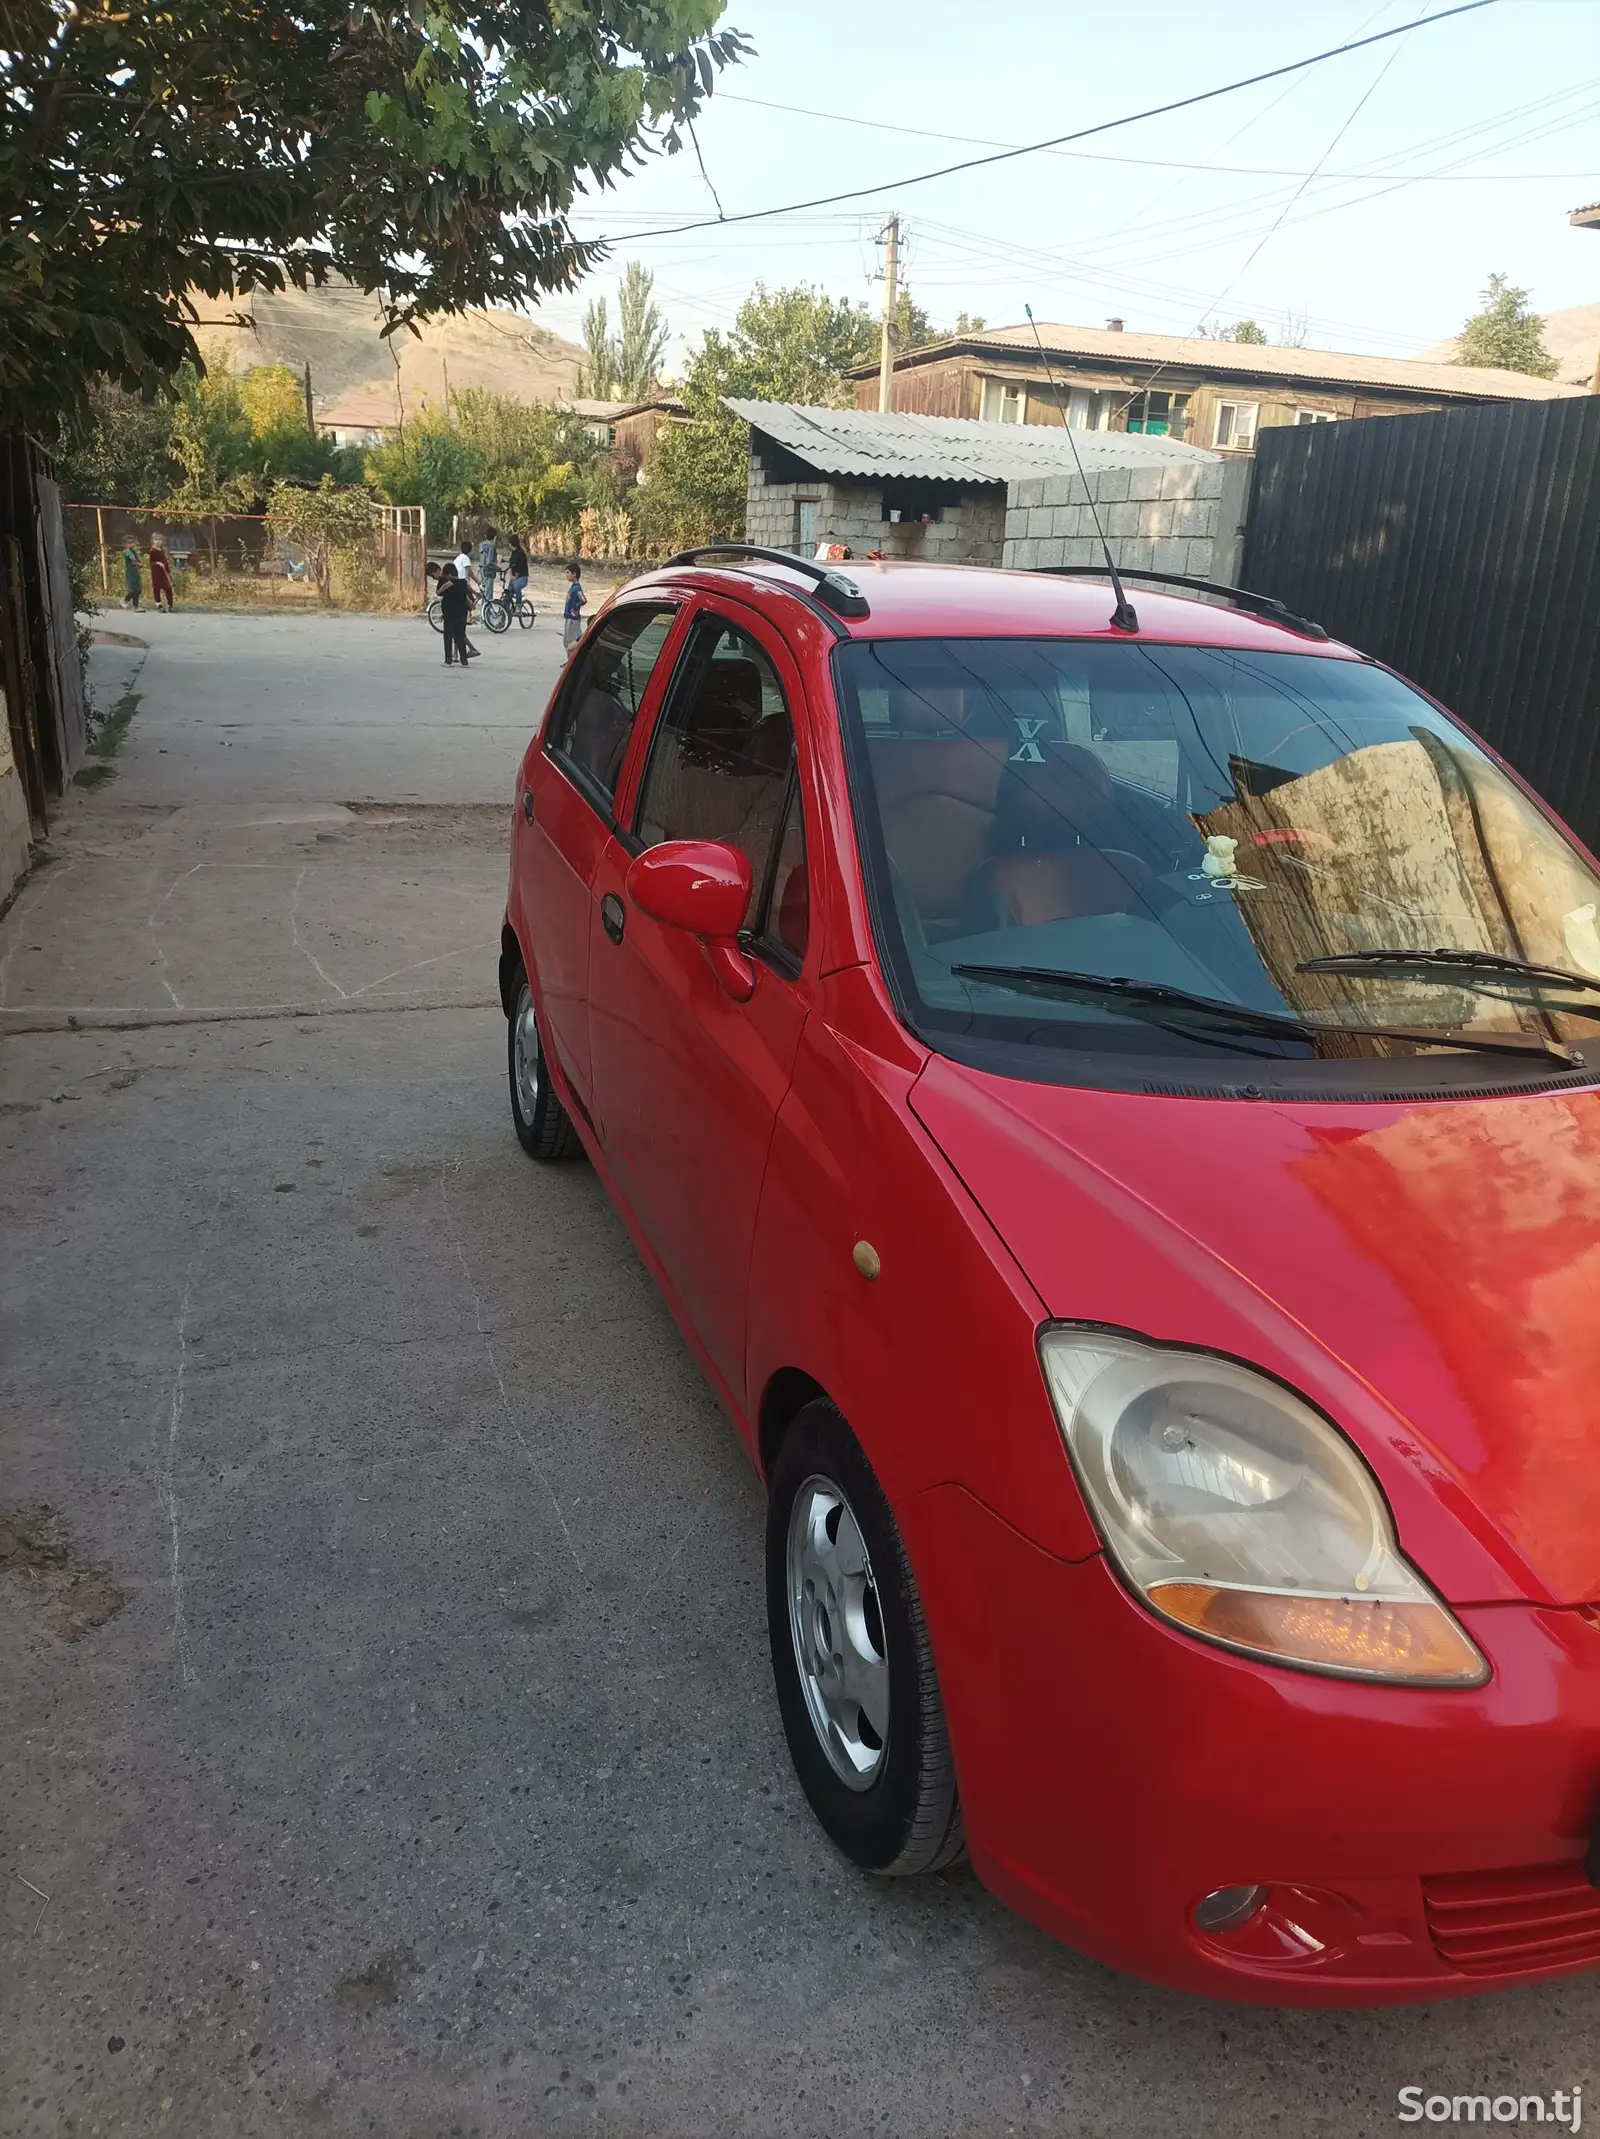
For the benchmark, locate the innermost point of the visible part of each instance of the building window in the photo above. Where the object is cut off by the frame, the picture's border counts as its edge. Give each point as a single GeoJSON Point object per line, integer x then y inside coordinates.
{"type": "Point", "coordinates": [1236, 425]}
{"type": "Point", "coordinates": [913, 501]}
{"type": "Point", "coordinates": [805, 525]}
{"type": "Point", "coordinates": [1312, 415]}
{"type": "Point", "coordinates": [1159, 415]}
{"type": "Point", "coordinates": [1087, 410]}
{"type": "Point", "coordinates": [1002, 403]}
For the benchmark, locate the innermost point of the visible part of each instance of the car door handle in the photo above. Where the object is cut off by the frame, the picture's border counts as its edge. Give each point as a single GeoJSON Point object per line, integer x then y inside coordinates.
{"type": "Point", "coordinates": [527, 805]}
{"type": "Point", "coordinates": [613, 916]}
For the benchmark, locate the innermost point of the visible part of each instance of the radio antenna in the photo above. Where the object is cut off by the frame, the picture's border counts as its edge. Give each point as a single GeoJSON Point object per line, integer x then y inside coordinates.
{"type": "Point", "coordinates": [1124, 617]}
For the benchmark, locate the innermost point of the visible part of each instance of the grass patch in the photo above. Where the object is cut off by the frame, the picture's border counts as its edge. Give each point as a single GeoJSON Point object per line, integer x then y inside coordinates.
{"type": "Point", "coordinates": [106, 739]}
{"type": "Point", "coordinates": [112, 732]}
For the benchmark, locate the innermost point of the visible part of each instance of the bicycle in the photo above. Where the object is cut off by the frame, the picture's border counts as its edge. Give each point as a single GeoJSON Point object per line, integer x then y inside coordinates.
{"type": "Point", "coordinates": [475, 615]}
{"type": "Point", "coordinates": [498, 612]}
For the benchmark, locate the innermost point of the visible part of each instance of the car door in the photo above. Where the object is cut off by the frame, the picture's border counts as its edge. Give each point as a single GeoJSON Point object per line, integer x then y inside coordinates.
{"type": "Point", "coordinates": [688, 1081]}
{"type": "Point", "coordinates": [566, 813]}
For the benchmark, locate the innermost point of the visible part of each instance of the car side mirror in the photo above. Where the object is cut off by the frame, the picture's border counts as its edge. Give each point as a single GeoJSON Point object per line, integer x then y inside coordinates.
{"type": "Point", "coordinates": [703, 887]}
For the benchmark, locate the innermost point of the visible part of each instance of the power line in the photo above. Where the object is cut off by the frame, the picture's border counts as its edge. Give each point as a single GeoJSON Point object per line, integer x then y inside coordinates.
{"type": "Point", "coordinates": [1355, 110]}
{"type": "Point", "coordinates": [1213, 219]}
{"type": "Point", "coordinates": [1238, 275]}
{"type": "Point", "coordinates": [1141, 163]}
{"type": "Point", "coordinates": [1084, 133]}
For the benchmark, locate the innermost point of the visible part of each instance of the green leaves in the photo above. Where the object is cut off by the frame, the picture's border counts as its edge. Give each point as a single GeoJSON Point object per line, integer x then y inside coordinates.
{"type": "Point", "coordinates": [224, 146]}
{"type": "Point", "coordinates": [1506, 335]}
{"type": "Point", "coordinates": [785, 345]}
{"type": "Point", "coordinates": [518, 466]}
{"type": "Point", "coordinates": [325, 522]}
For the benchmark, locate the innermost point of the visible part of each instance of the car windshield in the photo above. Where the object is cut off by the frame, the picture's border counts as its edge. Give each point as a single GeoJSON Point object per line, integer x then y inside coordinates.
{"type": "Point", "coordinates": [1205, 820]}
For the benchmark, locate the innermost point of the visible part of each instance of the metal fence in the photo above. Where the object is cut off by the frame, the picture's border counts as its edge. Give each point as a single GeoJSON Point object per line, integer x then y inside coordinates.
{"type": "Point", "coordinates": [241, 545]}
{"type": "Point", "coordinates": [1463, 548]}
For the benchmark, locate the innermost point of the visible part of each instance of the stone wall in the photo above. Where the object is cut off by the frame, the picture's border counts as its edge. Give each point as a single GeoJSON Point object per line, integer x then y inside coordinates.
{"type": "Point", "coordinates": [970, 530]}
{"type": "Point", "coordinates": [1185, 517]}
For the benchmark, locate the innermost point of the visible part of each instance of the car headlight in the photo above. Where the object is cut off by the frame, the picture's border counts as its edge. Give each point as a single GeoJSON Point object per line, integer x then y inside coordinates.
{"type": "Point", "coordinates": [1236, 1510]}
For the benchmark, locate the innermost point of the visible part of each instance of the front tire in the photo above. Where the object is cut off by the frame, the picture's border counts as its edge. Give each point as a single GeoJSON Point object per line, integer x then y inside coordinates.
{"type": "Point", "coordinates": [851, 1659]}
{"type": "Point", "coordinates": [435, 613]}
{"type": "Point", "coordinates": [544, 1128]}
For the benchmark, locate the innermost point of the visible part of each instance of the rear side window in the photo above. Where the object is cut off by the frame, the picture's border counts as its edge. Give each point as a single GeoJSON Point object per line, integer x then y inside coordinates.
{"type": "Point", "coordinates": [611, 672]}
{"type": "Point", "coordinates": [721, 762]}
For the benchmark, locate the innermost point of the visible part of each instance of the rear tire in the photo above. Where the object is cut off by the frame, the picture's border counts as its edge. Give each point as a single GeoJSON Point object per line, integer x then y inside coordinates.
{"type": "Point", "coordinates": [435, 613]}
{"type": "Point", "coordinates": [872, 1754]}
{"type": "Point", "coordinates": [544, 1128]}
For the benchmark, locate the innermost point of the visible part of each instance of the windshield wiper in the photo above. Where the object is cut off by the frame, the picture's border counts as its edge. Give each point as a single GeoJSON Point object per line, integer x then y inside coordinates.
{"type": "Point", "coordinates": [1492, 964]}
{"type": "Point", "coordinates": [1138, 995]}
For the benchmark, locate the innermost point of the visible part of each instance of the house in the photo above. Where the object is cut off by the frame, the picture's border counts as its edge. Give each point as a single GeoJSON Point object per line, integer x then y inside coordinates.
{"type": "Point", "coordinates": [627, 429]}
{"type": "Point", "coordinates": [636, 428]}
{"type": "Point", "coordinates": [364, 417]}
{"type": "Point", "coordinates": [965, 492]}
{"type": "Point", "coordinates": [1210, 393]}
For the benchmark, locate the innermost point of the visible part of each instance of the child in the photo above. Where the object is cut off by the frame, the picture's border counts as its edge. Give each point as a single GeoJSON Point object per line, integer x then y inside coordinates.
{"type": "Point", "coordinates": [453, 600]}
{"type": "Point", "coordinates": [572, 610]}
{"type": "Point", "coordinates": [160, 573]}
{"type": "Point", "coordinates": [516, 574]}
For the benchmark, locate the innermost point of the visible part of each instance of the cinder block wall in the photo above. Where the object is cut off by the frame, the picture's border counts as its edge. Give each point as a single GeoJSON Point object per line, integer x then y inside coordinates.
{"type": "Point", "coordinates": [971, 530]}
{"type": "Point", "coordinates": [1185, 517]}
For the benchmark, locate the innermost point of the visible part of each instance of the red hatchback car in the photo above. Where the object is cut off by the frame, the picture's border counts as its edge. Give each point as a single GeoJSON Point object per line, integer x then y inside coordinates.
{"type": "Point", "coordinates": [1111, 1104]}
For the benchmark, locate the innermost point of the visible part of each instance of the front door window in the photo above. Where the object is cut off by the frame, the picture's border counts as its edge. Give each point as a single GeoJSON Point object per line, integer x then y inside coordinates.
{"type": "Point", "coordinates": [721, 765]}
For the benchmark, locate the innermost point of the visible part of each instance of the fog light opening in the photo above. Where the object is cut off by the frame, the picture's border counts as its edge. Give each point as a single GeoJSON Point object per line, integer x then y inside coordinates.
{"type": "Point", "coordinates": [1225, 1908]}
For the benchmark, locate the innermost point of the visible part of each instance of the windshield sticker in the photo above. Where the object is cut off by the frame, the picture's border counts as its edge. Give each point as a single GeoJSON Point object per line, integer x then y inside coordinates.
{"type": "Point", "coordinates": [1027, 751]}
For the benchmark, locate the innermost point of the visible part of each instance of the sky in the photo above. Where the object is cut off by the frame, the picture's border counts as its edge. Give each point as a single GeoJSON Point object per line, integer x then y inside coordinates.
{"type": "Point", "coordinates": [1360, 205]}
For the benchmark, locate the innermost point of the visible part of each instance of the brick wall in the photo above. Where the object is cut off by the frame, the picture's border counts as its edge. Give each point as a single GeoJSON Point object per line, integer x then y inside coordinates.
{"type": "Point", "coordinates": [970, 530]}
{"type": "Point", "coordinates": [1185, 517]}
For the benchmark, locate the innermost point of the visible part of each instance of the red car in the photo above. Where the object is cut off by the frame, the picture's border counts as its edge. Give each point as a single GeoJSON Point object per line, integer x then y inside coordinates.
{"type": "Point", "coordinates": [1110, 1101]}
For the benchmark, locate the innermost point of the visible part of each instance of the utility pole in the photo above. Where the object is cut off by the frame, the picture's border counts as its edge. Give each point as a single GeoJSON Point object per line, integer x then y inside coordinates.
{"type": "Point", "coordinates": [311, 420]}
{"type": "Point", "coordinates": [891, 268]}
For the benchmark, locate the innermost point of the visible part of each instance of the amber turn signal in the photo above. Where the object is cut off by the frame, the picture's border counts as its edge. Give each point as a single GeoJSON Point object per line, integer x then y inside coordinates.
{"type": "Point", "coordinates": [1366, 1637]}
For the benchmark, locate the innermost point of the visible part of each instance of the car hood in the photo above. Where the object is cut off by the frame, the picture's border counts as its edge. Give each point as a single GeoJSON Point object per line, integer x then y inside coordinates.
{"type": "Point", "coordinates": [1429, 1275]}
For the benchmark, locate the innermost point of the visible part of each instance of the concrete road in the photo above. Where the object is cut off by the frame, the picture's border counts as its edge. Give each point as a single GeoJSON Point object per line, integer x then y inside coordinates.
{"type": "Point", "coordinates": [364, 710]}
{"type": "Point", "coordinates": [387, 1744]}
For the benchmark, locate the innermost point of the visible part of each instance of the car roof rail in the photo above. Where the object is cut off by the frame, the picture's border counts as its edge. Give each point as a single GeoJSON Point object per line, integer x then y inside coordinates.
{"type": "Point", "coordinates": [837, 594]}
{"type": "Point", "coordinates": [1262, 605]}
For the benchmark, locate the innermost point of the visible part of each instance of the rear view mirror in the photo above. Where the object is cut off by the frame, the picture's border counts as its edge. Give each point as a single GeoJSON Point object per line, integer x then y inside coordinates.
{"type": "Point", "coordinates": [703, 887]}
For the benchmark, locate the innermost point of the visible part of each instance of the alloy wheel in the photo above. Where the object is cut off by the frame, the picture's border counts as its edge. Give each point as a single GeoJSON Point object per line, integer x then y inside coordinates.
{"type": "Point", "coordinates": [836, 1624]}
{"type": "Point", "coordinates": [526, 1057]}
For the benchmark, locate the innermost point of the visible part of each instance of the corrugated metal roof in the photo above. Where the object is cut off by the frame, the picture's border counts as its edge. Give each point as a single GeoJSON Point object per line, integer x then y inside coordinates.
{"type": "Point", "coordinates": [613, 411]}
{"type": "Point", "coordinates": [946, 449]}
{"type": "Point", "coordinates": [1256, 360]}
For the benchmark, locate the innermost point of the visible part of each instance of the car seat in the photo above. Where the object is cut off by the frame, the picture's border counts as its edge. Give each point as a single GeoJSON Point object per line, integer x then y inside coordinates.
{"type": "Point", "coordinates": [935, 785]}
{"type": "Point", "coordinates": [1051, 855]}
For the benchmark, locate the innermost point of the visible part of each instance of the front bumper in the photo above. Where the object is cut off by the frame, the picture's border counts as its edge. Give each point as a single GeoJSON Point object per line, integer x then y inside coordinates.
{"type": "Point", "coordinates": [1113, 1770]}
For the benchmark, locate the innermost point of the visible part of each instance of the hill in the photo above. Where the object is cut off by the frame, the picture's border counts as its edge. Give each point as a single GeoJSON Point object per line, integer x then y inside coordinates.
{"type": "Point", "coordinates": [335, 331]}
{"type": "Point", "coordinates": [1572, 338]}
